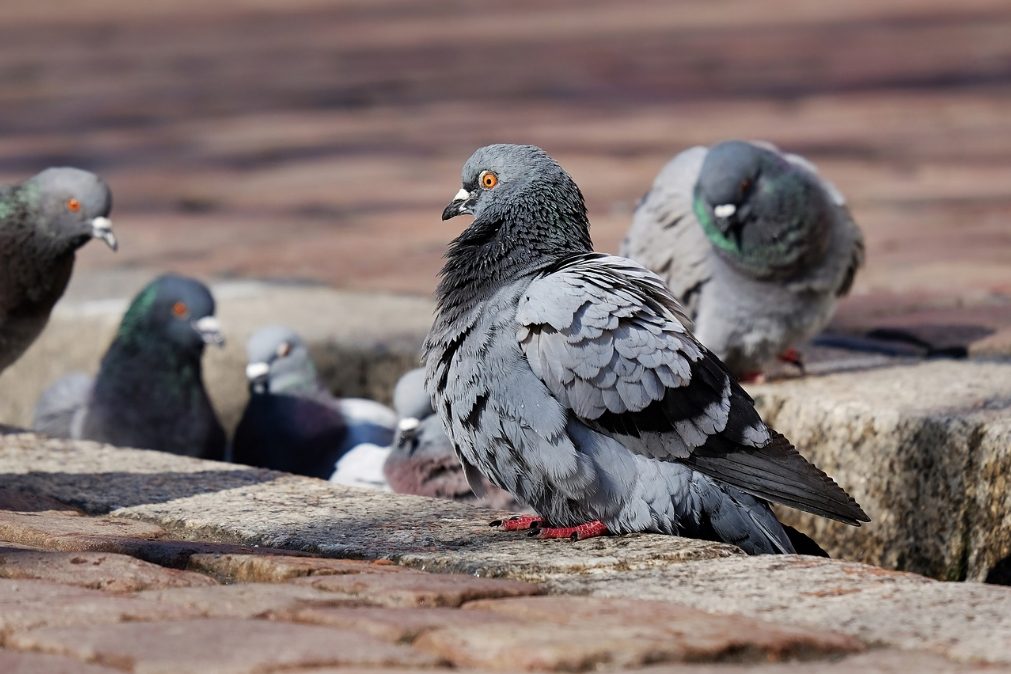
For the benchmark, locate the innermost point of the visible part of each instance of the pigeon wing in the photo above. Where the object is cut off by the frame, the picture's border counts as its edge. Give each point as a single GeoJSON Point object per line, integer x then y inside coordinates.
{"type": "Point", "coordinates": [610, 342]}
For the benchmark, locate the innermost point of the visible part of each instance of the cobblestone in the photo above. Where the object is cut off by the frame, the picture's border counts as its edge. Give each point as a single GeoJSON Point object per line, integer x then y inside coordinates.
{"type": "Point", "coordinates": [98, 570]}
{"type": "Point", "coordinates": [72, 533]}
{"type": "Point", "coordinates": [879, 661]}
{"type": "Point", "coordinates": [399, 624]}
{"type": "Point", "coordinates": [413, 588]}
{"type": "Point", "coordinates": [15, 662]}
{"type": "Point", "coordinates": [27, 604]}
{"type": "Point", "coordinates": [222, 646]}
{"type": "Point", "coordinates": [582, 633]}
{"type": "Point", "coordinates": [278, 568]}
{"type": "Point", "coordinates": [245, 600]}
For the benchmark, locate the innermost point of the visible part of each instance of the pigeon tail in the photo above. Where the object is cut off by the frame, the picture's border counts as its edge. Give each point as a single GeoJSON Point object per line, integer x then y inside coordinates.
{"type": "Point", "coordinates": [779, 473]}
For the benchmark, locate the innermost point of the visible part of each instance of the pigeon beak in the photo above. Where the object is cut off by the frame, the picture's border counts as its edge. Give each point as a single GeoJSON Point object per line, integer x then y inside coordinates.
{"type": "Point", "coordinates": [209, 330]}
{"type": "Point", "coordinates": [406, 428]}
{"type": "Point", "coordinates": [730, 221]}
{"type": "Point", "coordinates": [101, 228]}
{"type": "Point", "coordinates": [462, 203]}
{"type": "Point", "coordinates": [724, 210]}
{"type": "Point", "coordinates": [257, 374]}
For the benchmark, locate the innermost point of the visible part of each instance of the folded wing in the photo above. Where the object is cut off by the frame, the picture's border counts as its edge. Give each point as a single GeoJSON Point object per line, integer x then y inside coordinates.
{"type": "Point", "coordinates": [610, 342]}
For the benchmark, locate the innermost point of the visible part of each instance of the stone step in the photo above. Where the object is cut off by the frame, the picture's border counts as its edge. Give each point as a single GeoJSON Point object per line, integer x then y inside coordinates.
{"type": "Point", "coordinates": [804, 604]}
{"type": "Point", "coordinates": [925, 448]}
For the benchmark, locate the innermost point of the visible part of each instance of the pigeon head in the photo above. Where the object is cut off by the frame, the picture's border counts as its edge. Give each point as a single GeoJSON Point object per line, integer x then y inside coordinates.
{"type": "Point", "coordinates": [760, 211]}
{"type": "Point", "coordinates": [520, 197]}
{"type": "Point", "coordinates": [410, 399]}
{"type": "Point", "coordinates": [73, 207]}
{"type": "Point", "coordinates": [278, 361]}
{"type": "Point", "coordinates": [173, 311]}
{"type": "Point", "coordinates": [413, 407]}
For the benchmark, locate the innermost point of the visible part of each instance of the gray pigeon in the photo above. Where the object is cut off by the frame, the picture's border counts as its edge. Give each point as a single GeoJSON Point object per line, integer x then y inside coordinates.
{"type": "Point", "coordinates": [569, 378]}
{"type": "Point", "coordinates": [292, 422]}
{"type": "Point", "coordinates": [43, 221]}
{"type": "Point", "coordinates": [422, 460]}
{"type": "Point", "coordinates": [754, 243]}
{"type": "Point", "coordinates": [149, 392]}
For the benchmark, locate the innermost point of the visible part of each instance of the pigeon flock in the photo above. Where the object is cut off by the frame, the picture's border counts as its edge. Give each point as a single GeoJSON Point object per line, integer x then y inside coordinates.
{"type": "Point", "coordinates": [593, 394]}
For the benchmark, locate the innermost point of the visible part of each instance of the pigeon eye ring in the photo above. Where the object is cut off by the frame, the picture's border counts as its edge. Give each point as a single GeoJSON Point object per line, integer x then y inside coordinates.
{"type": "Point", "coordinates": [488, 179]}
{"type": "Point", "coordinates": [180, 310]}
{"type": "Point", "coordinates": [73, 205]}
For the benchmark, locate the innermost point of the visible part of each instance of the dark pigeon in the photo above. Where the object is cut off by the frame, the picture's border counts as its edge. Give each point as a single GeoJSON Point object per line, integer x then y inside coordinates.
{"type": "Point", "coordinates": [754, 243]}
{"type": "Point", "coordinates": [149, 392]}
{"type": "Point", "coordinates": [292, 422]}
{"type": "Point", "coordinates": [422, 460]}
{"type": "Point", "coordinates": [43, 222]}
{"type": "Point", "coordinates": [570, 379]}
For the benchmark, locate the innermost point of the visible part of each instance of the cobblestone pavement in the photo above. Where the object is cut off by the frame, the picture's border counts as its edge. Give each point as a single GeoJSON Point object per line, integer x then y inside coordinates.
{"type": "Point", "coordinates": [206, 567]}
{"type": "Point", "coordinates": [67, 600]}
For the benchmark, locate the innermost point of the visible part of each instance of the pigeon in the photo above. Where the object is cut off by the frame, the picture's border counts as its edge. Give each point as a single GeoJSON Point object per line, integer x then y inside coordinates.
{"type": "Point", "coordinates": [571, 379]}
{"type": "Point", "coordinates": [754, 243]}
{"type": "Point", "coordinates": [292, 422]}
{"type": "Point", "coordinates": [149, 392]}
{"type": "Point", "coordinates": [422, 460]}
{"type": "Point", "coordinates": [43, 221]}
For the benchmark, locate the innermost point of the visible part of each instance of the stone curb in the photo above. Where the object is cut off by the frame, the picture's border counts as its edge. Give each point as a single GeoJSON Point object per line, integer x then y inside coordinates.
{"type": "Point", "coordinates": [213, 502]}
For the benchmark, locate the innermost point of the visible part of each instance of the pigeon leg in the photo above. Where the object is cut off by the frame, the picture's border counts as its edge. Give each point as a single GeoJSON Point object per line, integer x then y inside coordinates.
{"type": "Point", "coordinates": [792, 356]}
{"type": "Point", "coordinates": [519, 523]}
{"type": "Point", "coordinates": [577, 533]}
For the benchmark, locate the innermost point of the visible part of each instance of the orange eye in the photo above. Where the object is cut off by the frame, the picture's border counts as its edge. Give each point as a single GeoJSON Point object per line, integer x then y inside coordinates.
{"type": "Point", "coordinates": [488, 180]}
{"type": "Point", "coordinates": [73, 205]}
{"type": "Point", "coordinates": [180, 310]}
{"type": "Point", "coordinates": [283, 350]}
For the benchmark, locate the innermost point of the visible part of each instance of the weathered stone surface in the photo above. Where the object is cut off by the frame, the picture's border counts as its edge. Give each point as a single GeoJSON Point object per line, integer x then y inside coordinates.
{"type": "Point", "coordinates": [70, 532]}
{"type": "Point", "coordinates": [872, 662]}
{"type": "Point", "coordinates": [878, 661]}
{"type": "Point", "coordinates": [279, 568]}
{"type": "Point", "coordinates": [223, 646]}
{"type": "Point", "coordinates": [412, 588]}
{"type": "Point", "coordinates": [66, 531]}
{"type": "Point", "coordinates": [398, 624]}
{"type": "Point", "coordinates": [990, 496]}
{"type": "Point", "coordinates": [26, 604]}
{"type": "Point", "coordinates": [16, 662]}
{"type": "Point", "coordinates": [97, 570]}
{"type": "Point", "coordinates": [255, 507]}
{"type": "Point", "coordinates": [963, 621]}
{"type": "Point", "coordinates": [245, 600]}
{"type": "Point", "coordinates": [908, 443]}
{"type": "Point", "coordinates": [582, 633]}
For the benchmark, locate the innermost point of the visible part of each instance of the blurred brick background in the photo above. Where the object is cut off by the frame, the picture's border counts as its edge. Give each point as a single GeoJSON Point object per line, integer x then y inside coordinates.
{"type": "Point", "coordinates": [320, 140]}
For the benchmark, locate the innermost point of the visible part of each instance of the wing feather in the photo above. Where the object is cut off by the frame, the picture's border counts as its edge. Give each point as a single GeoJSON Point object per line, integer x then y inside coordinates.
{"type": "Point", "coordinates": [611, 344]}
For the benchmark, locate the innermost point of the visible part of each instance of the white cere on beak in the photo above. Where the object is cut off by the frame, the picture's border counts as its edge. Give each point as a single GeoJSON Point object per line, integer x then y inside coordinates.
{"type": "Point", "coordinates": [725, 210]}
{"type": "Point", "coordinates": [462, 195]}
{"type": "Point", "coordinates": [255, 371]}
{"type": "Point", "coordinates": [101, 228]}
{"type": "Point", "coordinates": [210, 330]}
{"type": "Point", "coordinates": [408, 424]}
